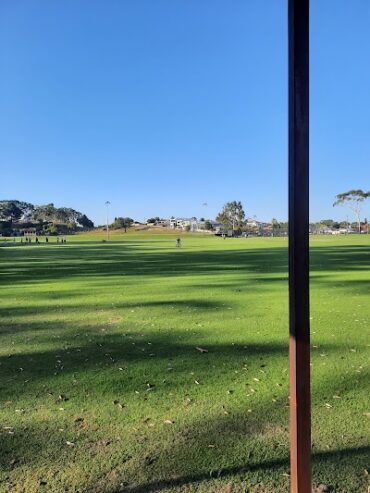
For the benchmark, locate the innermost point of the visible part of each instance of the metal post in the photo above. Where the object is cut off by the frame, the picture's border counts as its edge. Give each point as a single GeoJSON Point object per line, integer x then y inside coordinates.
{"type": "Point", "coordinates": [299, 341]}
{"type": "Point", "coordinates": [107, 205]}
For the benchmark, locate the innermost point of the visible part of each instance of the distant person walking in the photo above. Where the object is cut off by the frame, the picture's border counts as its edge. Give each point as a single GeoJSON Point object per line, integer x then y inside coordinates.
{"type": "Point", "coordinates": [47, 240]}
{"type": "Point", "coordinates": [178, 242]}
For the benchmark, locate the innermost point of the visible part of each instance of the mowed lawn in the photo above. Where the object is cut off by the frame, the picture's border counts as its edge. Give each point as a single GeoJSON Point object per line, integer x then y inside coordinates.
{"type": "Point", "coordinates": [102, 388]}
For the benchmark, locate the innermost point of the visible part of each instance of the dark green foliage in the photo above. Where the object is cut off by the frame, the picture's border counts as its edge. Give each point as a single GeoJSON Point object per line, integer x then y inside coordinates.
{"type": "Point", "coordinates": [14, 210]}
{"type": "Point", "coordinates": [41, 216]}
{"type": "Point", "coordinates": [122, 223]}
{"type": "Point", "coordinates": [85, 222]}
{"type": "Point", "coordinates": [208, 225]}
{"type": "Point", "coordinates": [153, 220]}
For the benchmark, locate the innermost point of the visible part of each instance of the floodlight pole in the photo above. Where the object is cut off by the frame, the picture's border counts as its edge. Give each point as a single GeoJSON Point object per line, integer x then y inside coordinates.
{"type": "Point", "coordinates": [107, 205]}
{"type": "Point", "coordinates": [299, 320]}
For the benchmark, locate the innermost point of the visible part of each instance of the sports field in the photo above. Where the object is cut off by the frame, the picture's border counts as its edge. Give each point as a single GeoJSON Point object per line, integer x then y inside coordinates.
{"type": "Point", "coordinates": [103, 389]}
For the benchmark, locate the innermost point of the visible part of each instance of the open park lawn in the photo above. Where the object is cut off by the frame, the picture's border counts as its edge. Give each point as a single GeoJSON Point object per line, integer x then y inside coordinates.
{"type": "Point", "coordinates": [103, 389]}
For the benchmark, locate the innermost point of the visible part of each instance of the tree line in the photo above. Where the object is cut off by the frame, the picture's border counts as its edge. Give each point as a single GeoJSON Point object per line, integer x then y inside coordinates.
{"type": "Point", "coordinates": [16, 215]}
{"type": "Point", "coordinates": [233, 217]}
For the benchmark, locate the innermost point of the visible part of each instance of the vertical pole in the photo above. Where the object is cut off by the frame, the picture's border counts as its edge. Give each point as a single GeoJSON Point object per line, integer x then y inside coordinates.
{"type": "Point", "coordinates": [107, 205]}
{"type": "Point", "coordinates": [299, 341]}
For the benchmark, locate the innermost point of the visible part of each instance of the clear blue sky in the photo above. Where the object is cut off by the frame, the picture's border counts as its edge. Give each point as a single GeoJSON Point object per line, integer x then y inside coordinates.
{"type": "Point", "coordinates": [162, 105]}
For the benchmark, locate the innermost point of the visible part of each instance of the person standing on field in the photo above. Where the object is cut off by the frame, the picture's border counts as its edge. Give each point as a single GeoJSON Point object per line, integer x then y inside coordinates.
{"type": "Point", "coordinates": [178, 242]}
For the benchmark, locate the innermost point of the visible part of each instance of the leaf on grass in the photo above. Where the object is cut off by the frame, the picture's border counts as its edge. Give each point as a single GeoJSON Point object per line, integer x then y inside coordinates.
{"type": "Point", "coordinates": [196, 382]}
{"type": "Point", "coordinates": [70, 444]}
{"type": "Point", "coordinates": [168, 422]}
{"type": "Point", "coordinates": [201, 349]}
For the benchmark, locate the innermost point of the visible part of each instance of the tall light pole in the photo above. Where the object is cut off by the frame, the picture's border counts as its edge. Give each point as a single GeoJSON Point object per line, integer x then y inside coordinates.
{"type": "Point", "coordinates": [107, 204]}
{"type": "Point", "coordinates": [205, 205]}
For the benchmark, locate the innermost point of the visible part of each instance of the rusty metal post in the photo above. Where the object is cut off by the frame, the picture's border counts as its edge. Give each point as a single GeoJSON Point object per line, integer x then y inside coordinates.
{"type": "Point", "coordinates": [299, 341]}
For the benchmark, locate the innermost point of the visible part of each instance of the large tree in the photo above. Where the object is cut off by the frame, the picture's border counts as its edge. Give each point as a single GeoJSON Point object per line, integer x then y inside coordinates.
{"type": "Point", "coordinates": [232, 215]}
{"type": "Point", "coordinates": [354, 200]}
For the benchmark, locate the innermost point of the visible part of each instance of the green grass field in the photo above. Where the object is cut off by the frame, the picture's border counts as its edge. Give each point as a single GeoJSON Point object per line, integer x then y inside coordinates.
{"type": "Point", "coordinates": [103, 389]}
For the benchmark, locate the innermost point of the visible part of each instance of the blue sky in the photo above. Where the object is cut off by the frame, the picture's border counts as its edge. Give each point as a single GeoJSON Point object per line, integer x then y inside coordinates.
{"type": "Point", "coordinates": [162, 105]}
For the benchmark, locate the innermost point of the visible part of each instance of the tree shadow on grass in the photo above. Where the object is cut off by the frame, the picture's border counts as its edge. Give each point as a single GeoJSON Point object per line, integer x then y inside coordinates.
{"type": "Point", "coordinates": [94, 360]}
{"type": "Point", "coordinates": [346, 459]}
{"type": "Point", "coordinates": [15, 312]}
{"type": "Point", "coordinates": [127, 260]}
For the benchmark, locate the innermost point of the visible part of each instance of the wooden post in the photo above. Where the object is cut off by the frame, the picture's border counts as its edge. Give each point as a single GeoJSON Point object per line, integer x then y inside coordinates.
{"type": "Point", "coordinates": [299, 341]}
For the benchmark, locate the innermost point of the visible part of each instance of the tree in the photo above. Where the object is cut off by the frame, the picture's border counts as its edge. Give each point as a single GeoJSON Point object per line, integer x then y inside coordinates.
{"type": "Point", "coordinates": [353, 199]}
{"type": "Point", "coordinates": [85, 222]}
{"type": "Point", "coordinates": [327, 222]}
{"type": "Point", "coordinates": [48, 213]}
{"type": "Point", "coordinates": [232, 215]}
{"type": "Point", "coordinates": [13, 210]}
{"type": "Point", "coordinates": [122, 223]}
{"type": "Point", "coordinates": [275, 223]}
{"type": "Point", "coordinates": [208, 225]}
